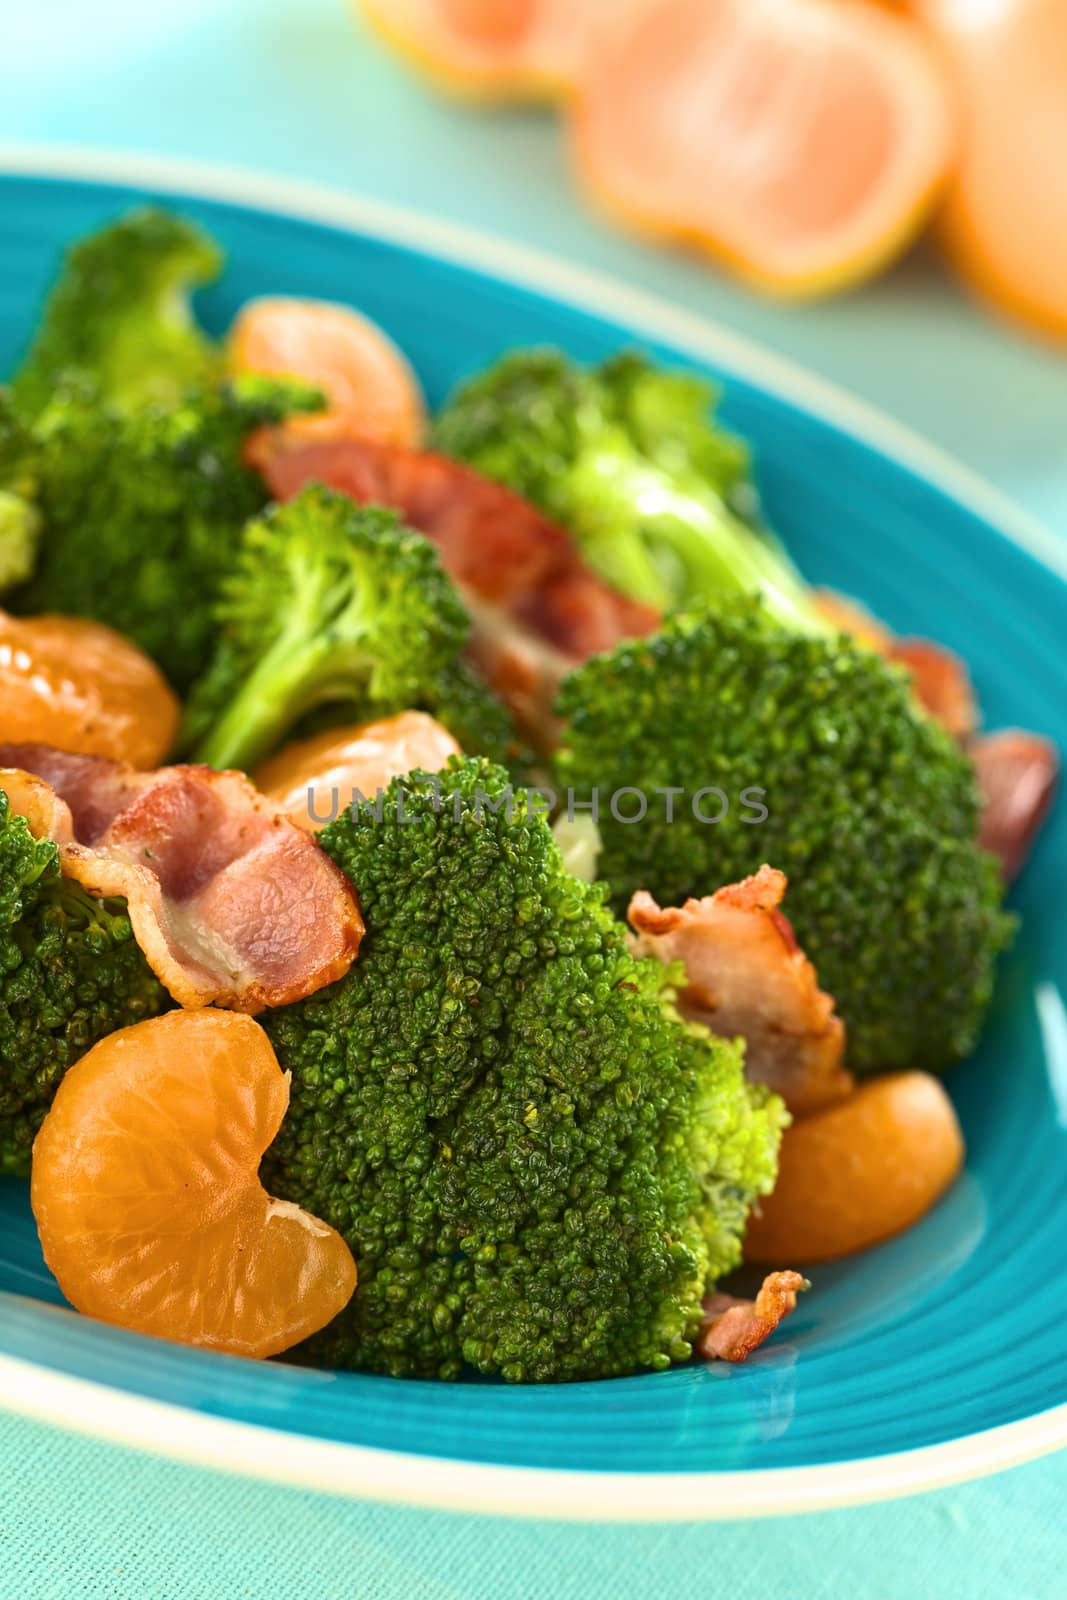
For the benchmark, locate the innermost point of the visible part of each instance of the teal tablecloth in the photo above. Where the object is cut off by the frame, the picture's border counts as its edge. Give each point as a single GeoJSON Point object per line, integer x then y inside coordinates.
{"type": "Point", "coordinates": [292, 87]}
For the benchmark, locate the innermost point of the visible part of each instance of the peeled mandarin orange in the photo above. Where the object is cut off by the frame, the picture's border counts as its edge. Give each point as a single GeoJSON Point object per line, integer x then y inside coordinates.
{"type": "Point", "coordinates": [315, 779]}
{"type": "Point", "coordinates": [490, 21]}
{"type": "Point", "coordinates": [367, 380]}
{"type": "Point", "coordinates": [493, 50]}
{"type": "Point", "coordinates": [802, 142]}
{"type": "Point", "coordinates": [859, 1172]}
{"type": "Point", "coordinates": [81, 687]}
{"type": "Point", "coordinates": [146, 1192]}
{"type": "Point", "coordinates": [1004, 221]}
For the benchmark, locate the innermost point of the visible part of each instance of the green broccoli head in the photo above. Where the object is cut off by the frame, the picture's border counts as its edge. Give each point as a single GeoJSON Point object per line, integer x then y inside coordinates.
{"type": "Point", "coordinates": [669, 415]}
{"type": "Point", "coordinates": [335, 607]}
{"type": "Point", "coordinates": [871, 810]}
{"type": "Point", "coordinates": [629, 458]}
{"type": "Point", "coordinates": [521, 422]}
{"type": "Point", "coordinates": [70, 972]}
{"type": "Point", "coordinates": [120, 314]}
{"type": "Point", "coordinates": [538, 1167]}
{"type": "Point", "coordinates": [143, 511]}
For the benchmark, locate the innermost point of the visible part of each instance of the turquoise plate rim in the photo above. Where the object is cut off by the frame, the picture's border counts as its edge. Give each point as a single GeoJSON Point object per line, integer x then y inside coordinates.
{"type": "Point", "coordinates": [371, 1473]}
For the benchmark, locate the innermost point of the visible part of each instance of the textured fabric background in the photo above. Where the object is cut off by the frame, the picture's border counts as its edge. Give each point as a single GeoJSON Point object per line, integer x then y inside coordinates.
{"type": "Point", "coordinates": [292, 86]}
{"type": "Point", "coordinates": [84, 1521]}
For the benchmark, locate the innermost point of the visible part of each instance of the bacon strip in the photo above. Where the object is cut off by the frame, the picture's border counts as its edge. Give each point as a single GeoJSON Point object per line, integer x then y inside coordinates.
{"type": "Point", "coordinates": [746, 975]}
{"type": "Point", "coordinates": [1018, 774]}
{"type": "Point", "coordinates": [733, 1328]}
{"type": "Point", "coordinates": [537, 608]}
{"type": "Point", "coordinates": [231, 903]}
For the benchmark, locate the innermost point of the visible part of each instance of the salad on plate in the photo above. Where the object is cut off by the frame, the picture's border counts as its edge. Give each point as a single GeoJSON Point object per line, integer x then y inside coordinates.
{"type": "Point", "coordinates": [462, 891]}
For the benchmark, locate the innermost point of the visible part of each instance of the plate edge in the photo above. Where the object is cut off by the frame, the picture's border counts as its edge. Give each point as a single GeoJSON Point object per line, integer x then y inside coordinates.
{"type": "Point", "coordinates": [432, 1482]}
{"type": "Point", "coordinates": [355, 1471]}
{"type": "Point", "coordinates": [585, 288]}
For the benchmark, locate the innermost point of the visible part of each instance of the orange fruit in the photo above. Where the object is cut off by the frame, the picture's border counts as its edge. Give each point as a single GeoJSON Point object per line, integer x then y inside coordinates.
{"type": "Point", "coordinates": [859, 1171]}
{"type": "Point", "coordinates": [336, 764]}
{"type": "Point", "coordinates": [493, 50]}
{"type": "Point", "coordinates": [801, 142]}
{"type": "Point", "coordinates": [146, 1192]}
{"type": "Point", "coordinates": [1004, 221]}
{"type": "Point", "coordinates": [367, 380]}
{"type": "Point", "coordinates": [81, 687]}
{"type": "Point", "coordinates": [490, 21]}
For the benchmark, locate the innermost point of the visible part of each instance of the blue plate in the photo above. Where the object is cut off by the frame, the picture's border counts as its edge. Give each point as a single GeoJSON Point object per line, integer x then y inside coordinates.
{"type": "Point", "coordinates": [937, 1356]}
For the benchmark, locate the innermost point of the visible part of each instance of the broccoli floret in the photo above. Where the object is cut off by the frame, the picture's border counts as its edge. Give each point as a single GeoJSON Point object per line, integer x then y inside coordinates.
{"type": "Point", "coordinates": [143, 511]}
{"type": "Point", "coordinates": [670, 416]}
{"type": "Point", "coordinates": [337, 606]}
{"type": "Point", "coordinates": [872, 811]}
{"type": "Point", "coordinates": [119, 314]}
{"type": "Point", "coordinates": [329, 602]}
{"type": "Point", "coordinates": [538, 1167]}
{"type": "Point", "coordinates": [70, 972]}
{"type": "Point", "coordinates": [629, 458]}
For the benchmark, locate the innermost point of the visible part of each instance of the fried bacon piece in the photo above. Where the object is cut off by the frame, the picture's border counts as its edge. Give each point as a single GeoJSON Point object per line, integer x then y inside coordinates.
{"type": "Point", "coordinates": [231, 903]}
{"type": "Point", "coordinates": [537, 608]}
{"type": "Point", "coordinates": [746, 975]}
{"type": "Point", "coordinates": [1018, 774]}
{"type": "Point", "coordinates": [733, 1328]}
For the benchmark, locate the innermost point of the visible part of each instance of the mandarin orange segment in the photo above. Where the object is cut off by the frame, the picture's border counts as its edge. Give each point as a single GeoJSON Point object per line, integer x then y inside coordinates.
{"type": "Point", "coordinates": [800, 142]}
{"type": "Point", "coordinates": [368, 382]}
{"type": "Point", "coordinates": [490, 21]}
{"type": "Point", "coordinates": [82, 687]}
{"type": "Point", "coordinates": [859, 1172]}
{"type": "Point", "coordinates": [1004, 221]}
{"type": "Point", "coordinates": [492, 50]}
{"type": "Point", "coordinates": [147, 1197]}
{"type": "Point", "coordinates": [315, 779]}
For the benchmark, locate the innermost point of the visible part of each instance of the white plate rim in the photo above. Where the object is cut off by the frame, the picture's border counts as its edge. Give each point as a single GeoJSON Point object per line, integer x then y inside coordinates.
{"type": "Point", "coordinates": [358, 1471]}
{"type": "Point", "coordinates": [355, 1471]}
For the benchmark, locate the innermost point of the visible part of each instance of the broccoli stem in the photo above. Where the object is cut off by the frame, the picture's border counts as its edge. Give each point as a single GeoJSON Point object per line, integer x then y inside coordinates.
{"type": "Point", "coordinates": [294, 672]}
{"type": "Point", "coordinates": [636, 525]}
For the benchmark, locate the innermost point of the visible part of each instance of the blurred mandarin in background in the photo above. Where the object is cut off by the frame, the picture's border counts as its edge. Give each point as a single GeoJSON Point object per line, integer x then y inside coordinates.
{"type": "Point", "coordinates": [146, 1192]}
{"type": "Point", "coordinates": [495, 50]}
{"type": "Point", "coordinates": [80, 686]}
{"type": "Point", "coordinates": [1004, 221]}
{"type": "Point", "coordinates": [312, 779]}
{"type": "Point", "coordinates": [859, 1171]}
{"type": "Point", "coordinates": [368, 382]}
{"type": "Point", "coordinates": [491, 21]}
{"type": "Point", "coordinates": [801, 143]}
